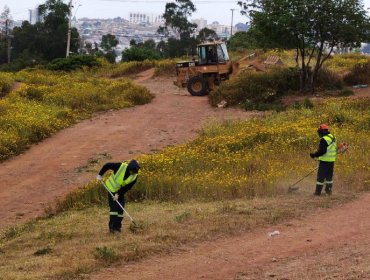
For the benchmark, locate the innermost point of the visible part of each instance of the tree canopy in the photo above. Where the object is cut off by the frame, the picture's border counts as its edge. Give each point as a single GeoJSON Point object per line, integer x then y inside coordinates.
{"type": "Point", "coordinates": [47, 39]}
{"type": "Point", "coordinates": [315, 28]}
{"type": "Point", "coordinates": [176, 17]}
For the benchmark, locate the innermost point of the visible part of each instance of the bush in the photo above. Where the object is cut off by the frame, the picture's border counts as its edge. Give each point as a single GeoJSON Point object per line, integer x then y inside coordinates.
{"type": "Point", "coordinates": [73, 62]}
{"type": "Point", "coordinates": [252, 88]}
{"type": "Point", "coordinates": [328, 80]}
{"type": "Point", "coordinates": [6, 83]}
{"type": "Point", "coordinates": [139, 54]}
{"type": "Point", "coordinates": [306, 104]}
{"type": "Point", "coordinates": [360, 74]}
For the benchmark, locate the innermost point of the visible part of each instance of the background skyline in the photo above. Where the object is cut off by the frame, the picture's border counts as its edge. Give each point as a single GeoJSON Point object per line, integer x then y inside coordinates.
{"type": "Point", "coordinates": [217, 10]}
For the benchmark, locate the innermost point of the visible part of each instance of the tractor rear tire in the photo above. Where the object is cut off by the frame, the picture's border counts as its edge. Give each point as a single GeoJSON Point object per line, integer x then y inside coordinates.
{"type": "Point", "coordinates": [197, 86]}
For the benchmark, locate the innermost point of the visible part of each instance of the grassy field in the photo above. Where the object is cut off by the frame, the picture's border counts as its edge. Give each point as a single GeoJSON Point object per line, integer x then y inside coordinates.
{"type": "Point", "coordinates": [44, 102]}
{"type": "Point", "coordinates": [229, 180]}
{"type": "Point", "coordinates": [233, 178]}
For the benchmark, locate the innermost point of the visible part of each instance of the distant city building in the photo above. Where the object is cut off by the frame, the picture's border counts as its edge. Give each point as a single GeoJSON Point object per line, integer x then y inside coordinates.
{"type": "Point", "coordinates": [201, 23]}
{"type": "Point", "coordinates": [145, 18]}
{"type": "Point", "coordinates": [219, 29]}
{"type": "Point", "coordinates": [34, 16]}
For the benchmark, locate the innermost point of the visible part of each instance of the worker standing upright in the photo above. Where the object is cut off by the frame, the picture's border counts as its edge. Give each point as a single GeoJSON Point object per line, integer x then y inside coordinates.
{"type": "Point", "coordinates": [121, 181]}
{"type": "Point", "coordinates": [326, 153]}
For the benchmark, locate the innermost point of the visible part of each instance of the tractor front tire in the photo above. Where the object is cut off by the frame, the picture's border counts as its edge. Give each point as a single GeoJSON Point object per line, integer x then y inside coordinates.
{"type": "Point", "coordinates": [197, 86]}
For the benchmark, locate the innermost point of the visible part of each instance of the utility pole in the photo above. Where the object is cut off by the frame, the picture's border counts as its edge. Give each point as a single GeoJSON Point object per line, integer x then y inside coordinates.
{"type": "Point", "coordinates": [69, 28]}
{"type": "Point", "coordinates": [232, 20]}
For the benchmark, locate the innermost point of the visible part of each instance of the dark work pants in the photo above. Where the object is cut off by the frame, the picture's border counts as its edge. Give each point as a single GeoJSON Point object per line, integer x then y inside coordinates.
{"type": "Point", "coordinates": [325, 177]}
{"type": "Point", "coordinates": [115, 213]}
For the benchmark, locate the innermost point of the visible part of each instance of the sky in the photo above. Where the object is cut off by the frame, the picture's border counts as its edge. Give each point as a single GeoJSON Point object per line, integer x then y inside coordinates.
{"type": "Point", "coordinates": [211, 10]}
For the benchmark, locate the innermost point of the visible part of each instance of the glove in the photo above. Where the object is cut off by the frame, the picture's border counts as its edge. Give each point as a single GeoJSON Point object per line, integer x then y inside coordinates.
{"type": "Point", "coordinates": [115, 197]}
{"type": "Point", "coordinates": [312, 155]}
{"type": "Point", "coordinates": [99, 177]}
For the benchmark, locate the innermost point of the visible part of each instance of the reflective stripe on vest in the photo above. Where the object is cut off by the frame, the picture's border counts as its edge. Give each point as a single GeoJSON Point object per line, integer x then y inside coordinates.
{"type": "Point", "coordinates": [116, 181]}
{"type": "Point", "coordinates": [331, 151]}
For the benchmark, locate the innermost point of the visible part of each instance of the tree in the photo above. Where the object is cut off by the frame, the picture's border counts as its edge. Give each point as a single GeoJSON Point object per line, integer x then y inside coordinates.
{"type": "Point", "coordinates": [45, 40]}
{"type": "Point", "coordinates": [55, 16]}
{"type": "Point", "coordinates": [136, 53]}
{"type": "Point", "coordinates": [5, 39]}
{"type": "Point", "coordinates": [108, 42]}
{"type": "Point", "coordinates": [141, 51]}
{"type": "Point", "coordinates": [242, 40]}
{"type": "Point", "coordinates": [176, 17]}
{"type": "Point", "coordinates": [207, 34]}
{"type": "Point", "coordinates": [315, 28]}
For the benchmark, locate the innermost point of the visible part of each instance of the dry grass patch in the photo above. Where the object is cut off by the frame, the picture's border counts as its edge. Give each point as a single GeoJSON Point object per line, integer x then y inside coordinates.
{"type": "Point", "coordinates": [75, 243]}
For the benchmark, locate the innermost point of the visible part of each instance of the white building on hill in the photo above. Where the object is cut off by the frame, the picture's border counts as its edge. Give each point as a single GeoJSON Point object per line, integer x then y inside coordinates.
{"type": "Point", "coordinates": [145, 18]}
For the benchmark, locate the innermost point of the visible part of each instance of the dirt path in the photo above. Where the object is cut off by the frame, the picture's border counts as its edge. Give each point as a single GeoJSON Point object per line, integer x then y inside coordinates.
{"type": "Point", "coordinates": [50, 169]}
{"type": "Point", "coordinates": [256, 256]}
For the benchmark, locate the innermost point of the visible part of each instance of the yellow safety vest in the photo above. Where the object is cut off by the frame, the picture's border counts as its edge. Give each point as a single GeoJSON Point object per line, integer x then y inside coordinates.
{"type": "Point", "coordinates": [331, 152]}
{"type": "Point", "coordinates": [116, 181]}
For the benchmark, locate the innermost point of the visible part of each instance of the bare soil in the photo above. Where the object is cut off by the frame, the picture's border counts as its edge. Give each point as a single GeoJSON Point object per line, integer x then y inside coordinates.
{"type": "Point", "coordinates": [329, 244]}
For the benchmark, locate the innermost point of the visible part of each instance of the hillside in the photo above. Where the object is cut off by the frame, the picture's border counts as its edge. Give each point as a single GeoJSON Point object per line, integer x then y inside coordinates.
{"type": "Point", "coordinates": [194, 240]}
{"type": "Point", "coordinates": [54, 166]}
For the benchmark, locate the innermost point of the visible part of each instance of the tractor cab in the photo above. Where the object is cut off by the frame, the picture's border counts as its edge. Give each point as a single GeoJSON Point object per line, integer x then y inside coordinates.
{"type": "Point", "coordinates": [211, 53]}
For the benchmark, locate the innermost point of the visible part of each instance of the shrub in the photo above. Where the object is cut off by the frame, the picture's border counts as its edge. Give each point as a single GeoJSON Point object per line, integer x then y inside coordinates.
{"type": "Point", "coordinates": [345, 92]}
{"type": "Point", "coordinates": [6, 83]}
{"type": "Point", "coordinates": [306, 104]}
{"type": "Point", "coordinates": [139, 54]}
{"type": "Point", "coordinates": [328, 80]}
{"type": "Point", "coordinates": [257, 87]}
{"type": "Point", "coordinates": [360, 74]}
{"type": "Point", "coordinates": [73, 62]}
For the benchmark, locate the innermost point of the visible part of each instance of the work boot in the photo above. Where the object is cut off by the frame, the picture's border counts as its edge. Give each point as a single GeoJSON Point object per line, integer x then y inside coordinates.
{"type": "Point", "coordinates": [318, 190]}
{"type": "Point", "coordinates": [111, 228]}
{"type": "Point", "coordinates": [328, 189]}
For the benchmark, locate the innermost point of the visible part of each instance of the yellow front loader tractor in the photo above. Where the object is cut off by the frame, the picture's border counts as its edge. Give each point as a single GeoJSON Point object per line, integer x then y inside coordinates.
{"type": "Point", "coordinates": [200, 75]}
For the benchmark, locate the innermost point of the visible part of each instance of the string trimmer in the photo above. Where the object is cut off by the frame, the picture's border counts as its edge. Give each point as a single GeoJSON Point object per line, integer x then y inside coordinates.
{"type": "Point", "coordinates": [292, 188]}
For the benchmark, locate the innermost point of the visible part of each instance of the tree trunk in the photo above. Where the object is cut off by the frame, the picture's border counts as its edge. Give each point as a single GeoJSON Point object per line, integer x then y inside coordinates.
{"type": "Point", "coordinates": [317, 68]}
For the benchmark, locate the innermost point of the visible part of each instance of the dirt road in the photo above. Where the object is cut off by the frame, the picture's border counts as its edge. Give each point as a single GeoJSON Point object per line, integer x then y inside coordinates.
{"type": "Point", "coordinates": [334, 235]}
{"type": "Point", "coordinates": [51, 169]}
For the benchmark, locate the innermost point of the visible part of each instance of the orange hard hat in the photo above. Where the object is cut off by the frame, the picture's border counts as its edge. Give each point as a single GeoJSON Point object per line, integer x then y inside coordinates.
{"type": "Point", "coordinates": [323, 127]}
